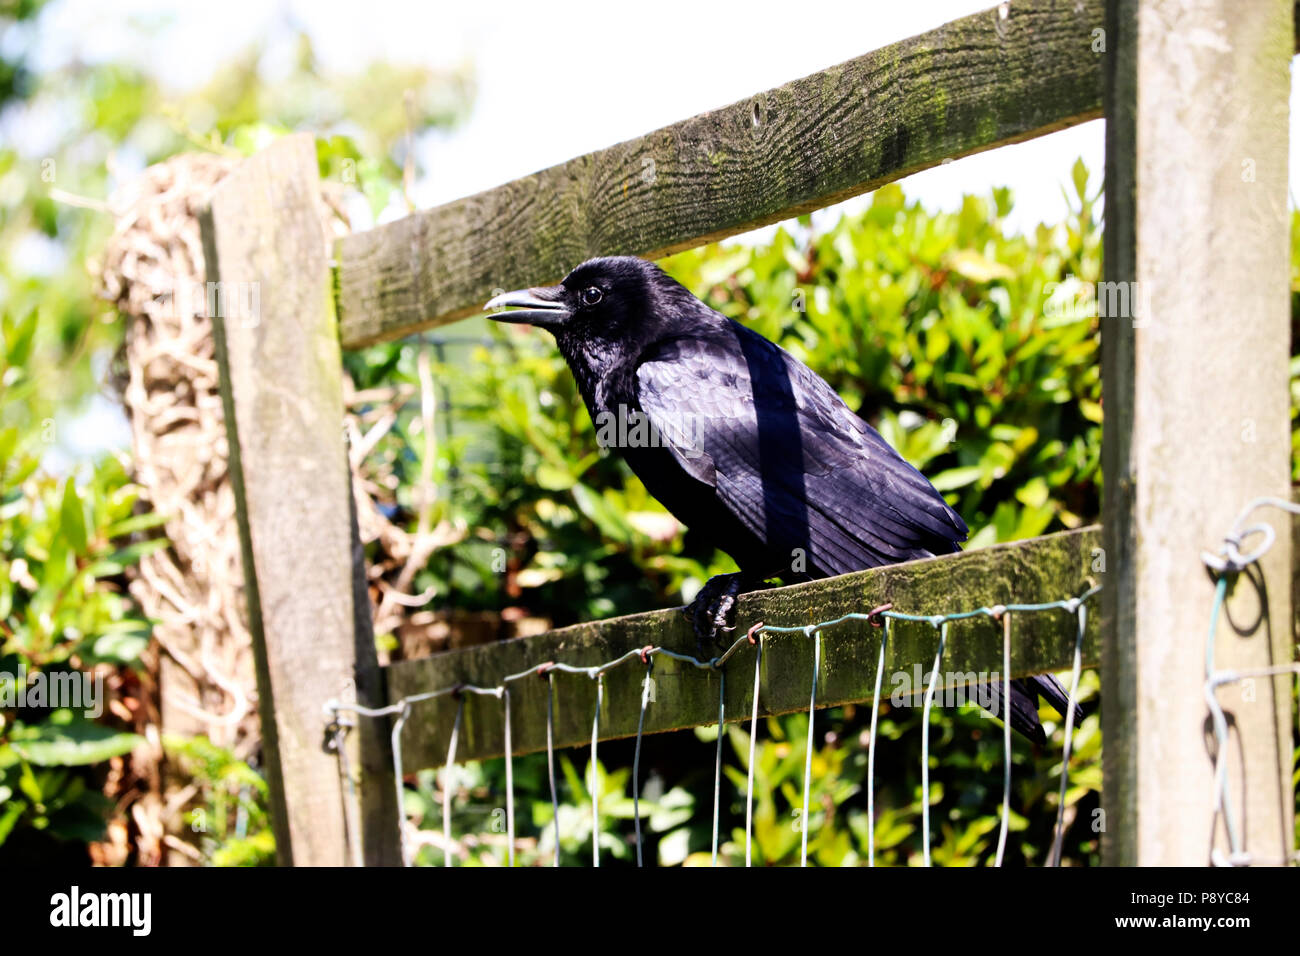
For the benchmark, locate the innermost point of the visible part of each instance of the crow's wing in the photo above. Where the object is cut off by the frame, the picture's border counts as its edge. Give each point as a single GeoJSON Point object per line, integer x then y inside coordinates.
{"type": "Point", "coordinates": [786, 456]}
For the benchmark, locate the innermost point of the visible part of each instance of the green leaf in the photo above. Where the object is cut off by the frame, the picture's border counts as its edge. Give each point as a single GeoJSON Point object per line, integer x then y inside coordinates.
{"type": "Point", "coordinates": [8, 442]}
{"type": "Point", "coordinates": [28, 785]}
{"type": "Point", "coordinates": [81, 822]}
{"type": "Point", "coordinates": [1034, 493]}
{"type": "Point", "coordinates": [12, 812]}
{"type": "Point", "coordinates": [135, 523]}
{"type": "Point", "coordinates": [610, 521]}
{"type": "Point", "coordinates": [46, 215]}
{"type": "Point", "coordinates": [72, 517]}
{"type": "Point", "coordinates": [132, 553]}
{"type": "Point", "coordinates": [553, 478]}
{"type": "Point", "coordinates": [981, 269]}
{"type": "Point", "coordinates": [76, 744]}
{"type": "Point", "coordinates": [18, 340]}
{"type": "Point", "coordinates": [121, 648]}
{"type": "Point", "coordinates": [955, 478]}
{"type": "Point", "coordinates": [254, 850]}
{"type": "Point", "coordinates": [1080, 176]}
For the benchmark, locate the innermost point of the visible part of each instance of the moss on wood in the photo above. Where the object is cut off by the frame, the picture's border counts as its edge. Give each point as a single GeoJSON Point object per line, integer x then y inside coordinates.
{"type": "Point", "coordinates": [1038, 570]}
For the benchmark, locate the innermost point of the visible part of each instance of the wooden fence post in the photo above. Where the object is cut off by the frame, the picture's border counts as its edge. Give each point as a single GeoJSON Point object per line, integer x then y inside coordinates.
{"type": "Point", "coordinates": [1197, 417]}
{"type": "Point", "coordinates": [269, 295]}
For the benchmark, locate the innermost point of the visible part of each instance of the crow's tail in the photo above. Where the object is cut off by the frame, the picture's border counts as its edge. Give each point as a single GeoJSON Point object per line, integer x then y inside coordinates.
{"type": "Point", "coordinates": [1025, 692]}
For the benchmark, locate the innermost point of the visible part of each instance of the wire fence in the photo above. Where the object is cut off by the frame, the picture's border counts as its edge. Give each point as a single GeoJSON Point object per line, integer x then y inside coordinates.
{"type": "Point", "coordinates": [1226, 564]}
{"type": "Point", "coordinates": [881, 618]}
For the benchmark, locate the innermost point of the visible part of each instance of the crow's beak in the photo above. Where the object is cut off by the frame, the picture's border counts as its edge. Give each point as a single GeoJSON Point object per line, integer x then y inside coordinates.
{"type": "Point", "coordinates": [543, 307]}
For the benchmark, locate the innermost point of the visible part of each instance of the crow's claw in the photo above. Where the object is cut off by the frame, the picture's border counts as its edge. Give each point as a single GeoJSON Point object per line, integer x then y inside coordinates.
{"type": "Point", "coordinates": [712, 608]}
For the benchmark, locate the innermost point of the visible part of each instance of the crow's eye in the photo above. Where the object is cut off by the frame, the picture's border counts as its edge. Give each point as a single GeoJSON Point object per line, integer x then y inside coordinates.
{"type": "Point", "coordinates": [591, 295]}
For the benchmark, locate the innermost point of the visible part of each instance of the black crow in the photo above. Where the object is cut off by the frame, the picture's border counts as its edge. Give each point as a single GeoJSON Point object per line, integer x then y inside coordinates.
{"type": "Point", "coordinates": [742, 442]}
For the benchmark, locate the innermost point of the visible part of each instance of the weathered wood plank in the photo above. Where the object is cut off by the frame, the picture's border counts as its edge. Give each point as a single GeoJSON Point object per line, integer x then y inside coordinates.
{"type": "Point", "coordinates": [996, 77]}
{"type": "Point", "coordinates": [1037, 570]}
{"type": "Point", "coordinates": [1197, 418]}
{"type": "Point", "coordinates": [281, 389]}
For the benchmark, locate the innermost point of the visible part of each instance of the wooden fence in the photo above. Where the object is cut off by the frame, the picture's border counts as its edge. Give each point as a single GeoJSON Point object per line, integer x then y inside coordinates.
{"type": "Point", "coordinates": [1195, 391]}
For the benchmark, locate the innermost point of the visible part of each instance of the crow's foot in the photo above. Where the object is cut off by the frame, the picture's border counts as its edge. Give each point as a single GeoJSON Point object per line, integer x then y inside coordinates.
{"type": "Point", "coordinates": [711, 611]}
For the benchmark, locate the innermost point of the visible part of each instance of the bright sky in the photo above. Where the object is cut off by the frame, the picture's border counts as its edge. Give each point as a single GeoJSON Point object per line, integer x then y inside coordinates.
{"type": "Point", "coordinates": [574, 77]}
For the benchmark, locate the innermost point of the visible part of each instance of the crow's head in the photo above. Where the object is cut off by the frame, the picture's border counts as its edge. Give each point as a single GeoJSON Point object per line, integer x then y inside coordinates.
{"type": "Point", "coordinates": [616, 299]}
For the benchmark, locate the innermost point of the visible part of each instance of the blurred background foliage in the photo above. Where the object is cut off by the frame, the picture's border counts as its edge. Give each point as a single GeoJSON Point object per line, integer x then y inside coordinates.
{"type": "Point", "coordinates": [62, 610]}
{"type": "Point", "coordinates": [968, 345]}
{"type": "Point", "coordinates": [73, 138]}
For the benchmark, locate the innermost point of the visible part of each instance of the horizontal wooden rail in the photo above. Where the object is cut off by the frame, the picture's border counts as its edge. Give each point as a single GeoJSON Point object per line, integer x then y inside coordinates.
{"type": "Point", "coordinates": [1001, 76]}
{"type": "Point", "coordinates": [1025, 572]}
